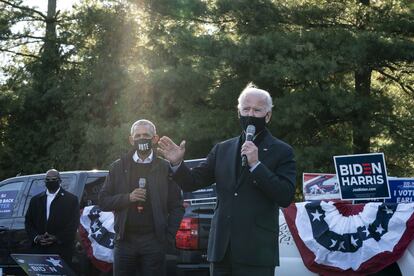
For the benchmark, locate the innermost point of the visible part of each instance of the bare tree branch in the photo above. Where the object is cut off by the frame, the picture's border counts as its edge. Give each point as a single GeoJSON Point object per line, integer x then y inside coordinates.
{"type": "Point", "coordinates": [21, 36]}
{"type": "Point", "coordinates": [18, 44]}
{"type": "Point", "coordinates": [35, 19]}
{"type": "Point", "coordinates": [23, 8]}
{"type": "Point", "coordinates": [18, 53]}
{"type": "Point", "coordinates": [406, 88]}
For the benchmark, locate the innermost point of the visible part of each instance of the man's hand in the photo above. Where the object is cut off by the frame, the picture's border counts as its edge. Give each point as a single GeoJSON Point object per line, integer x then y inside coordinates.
{"type": "Point", "coordinates": [252, 153]}
{"type": "Point", "coordinates": [38, 238]}
{"type": "Point", "coordinates": [46, 239]}
{"type": "Point", "coordinates": [138, 194]}
{"type": "Point", "coordinates": [171, 151]}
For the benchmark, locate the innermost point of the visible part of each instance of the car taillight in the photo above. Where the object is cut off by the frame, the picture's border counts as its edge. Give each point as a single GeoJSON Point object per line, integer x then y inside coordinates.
{"type": "Point", "coordinates": [187, 234]}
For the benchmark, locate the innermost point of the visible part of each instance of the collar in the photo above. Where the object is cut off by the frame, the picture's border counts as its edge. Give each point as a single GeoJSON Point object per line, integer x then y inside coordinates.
{"type": "Point", "coordinates": [52, 194]}
{"type": "Point", "coordinates": [137, 159]}
{"type": "Point", "coordinates": [257, 138]}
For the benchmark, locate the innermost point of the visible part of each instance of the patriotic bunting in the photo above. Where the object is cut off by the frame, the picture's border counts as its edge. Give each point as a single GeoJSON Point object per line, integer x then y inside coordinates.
{"type": "Point", "coordinates": [97, 235]}
{"type": "Point", "coordinates": [359, 239]}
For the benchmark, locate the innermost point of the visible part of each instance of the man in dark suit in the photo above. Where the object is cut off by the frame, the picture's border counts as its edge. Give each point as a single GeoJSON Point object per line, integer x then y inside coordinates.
{"type": "Point", "coordinates": [244, 229]}
{"type": "Point", "coordinates": [52, 219]}
{"type": "Point", "coordinates": [147, 205]}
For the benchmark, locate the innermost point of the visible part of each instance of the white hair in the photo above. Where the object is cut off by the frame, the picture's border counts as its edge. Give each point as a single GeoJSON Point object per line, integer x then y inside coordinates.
{"type": "Point", "coordinates": [144, 122]}
{"type": "Point", "coordinates": [250, 89]}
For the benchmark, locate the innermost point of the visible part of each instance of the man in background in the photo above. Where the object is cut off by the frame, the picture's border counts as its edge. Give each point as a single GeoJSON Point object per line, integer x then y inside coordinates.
{"type": "Point", "coordinates": [52, 219]}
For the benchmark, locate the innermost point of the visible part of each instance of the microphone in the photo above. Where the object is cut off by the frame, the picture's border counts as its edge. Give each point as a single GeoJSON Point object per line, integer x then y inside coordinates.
{"type": "Point", "coordinates": [250, 130]}
{"type": "Point", "coordinates": [142, 183]}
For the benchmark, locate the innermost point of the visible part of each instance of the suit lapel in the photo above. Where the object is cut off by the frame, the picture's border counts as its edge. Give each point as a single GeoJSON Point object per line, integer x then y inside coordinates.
{"type": "Point", "coordinates": [154, 187]}
{"type": "Point", "coordinates": [126, 167]}
{"type": "Point", "coordinates": [264, 151]}
{"type": "Point", "coordinates": [265, 148]}
{"type": "Point", "coordinates": [52, 210]}
{"type": "Point", "coordinates": [244, 175]}
{"type": "Point", "coordinates": [153, 180]}
{"type": "Point", "coordinates": [43, 202]}
{"type": "Point", "coordinates": [231, 159]}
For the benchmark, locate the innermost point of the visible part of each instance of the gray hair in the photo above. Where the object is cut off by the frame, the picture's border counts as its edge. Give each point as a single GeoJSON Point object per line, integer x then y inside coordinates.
{"type": "Point", "coordinates": [251, 88]}
{"type": "Point", "coordinates": [144, 122]}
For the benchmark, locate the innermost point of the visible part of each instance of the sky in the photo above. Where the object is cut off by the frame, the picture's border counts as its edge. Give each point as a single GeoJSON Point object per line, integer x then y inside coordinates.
{"type": "Point", "coordinates": [42, 4]}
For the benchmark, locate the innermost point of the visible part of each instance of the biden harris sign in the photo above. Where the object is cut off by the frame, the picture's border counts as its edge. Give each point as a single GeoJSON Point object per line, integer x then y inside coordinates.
{"type": "Point", "coordinates": [362, 176]}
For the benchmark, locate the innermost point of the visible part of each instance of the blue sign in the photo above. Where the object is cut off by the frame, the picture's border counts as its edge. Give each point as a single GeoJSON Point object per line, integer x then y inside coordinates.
{"type": "Point", "coordinates": [401, 190]}
{"type": "Point", "coordinates": [362, 176]}
{"type": "Point", "coordinates": [7, 200]}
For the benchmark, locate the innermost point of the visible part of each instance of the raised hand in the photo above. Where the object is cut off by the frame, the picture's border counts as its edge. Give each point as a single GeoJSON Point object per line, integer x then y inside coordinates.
{"type": "Point", "coordinates": [171, 151]}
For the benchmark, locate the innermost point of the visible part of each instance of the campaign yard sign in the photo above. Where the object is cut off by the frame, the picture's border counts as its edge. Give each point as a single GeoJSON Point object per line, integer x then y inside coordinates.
{"type": "Point", "coordinates": [401, 190]}
{"type": "Point", "coordinates": [42, 264]}
{"type": "Point", "coordinates": [362, 176]}
{"type": "Point", "coordinates": [7, 200]}
{"type": "Point", "coordinates": [320, 186]}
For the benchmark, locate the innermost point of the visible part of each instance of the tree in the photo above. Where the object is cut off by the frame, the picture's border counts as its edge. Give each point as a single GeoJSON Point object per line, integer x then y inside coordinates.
{"type": "Point", "coordinates": [65, 90]}
{"type": "Point", "coordinates": [340, 73]}
{"type": "Point", "coordinates": [334, 69]}
{"type": "Point", "coordinates": [32, 86]}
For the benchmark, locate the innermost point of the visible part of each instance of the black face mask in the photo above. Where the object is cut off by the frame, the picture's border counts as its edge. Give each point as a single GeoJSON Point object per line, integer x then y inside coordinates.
{"type": "Point", "coordinates": [52, 185]}
{"type": "Point", "coordinates": [258, 122]}
{"type": "Point", "coordinates": [143, 146]}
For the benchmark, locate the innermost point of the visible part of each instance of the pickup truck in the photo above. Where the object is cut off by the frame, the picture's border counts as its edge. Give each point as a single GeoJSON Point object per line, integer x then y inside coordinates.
{"type": "Point", "coordinates": [16, 192]}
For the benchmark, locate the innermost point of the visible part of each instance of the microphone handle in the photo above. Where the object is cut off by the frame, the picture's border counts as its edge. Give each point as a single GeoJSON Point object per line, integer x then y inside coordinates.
{"type": "Point", "coordinates": [249, 137]}
{"type": "Point", "coordinates": [244, 160]}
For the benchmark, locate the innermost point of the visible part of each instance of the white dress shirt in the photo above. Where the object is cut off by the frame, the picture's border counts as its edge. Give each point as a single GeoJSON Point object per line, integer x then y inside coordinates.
{"type": "Point", "coordinates": [50, 198]}
{"type": "Point", "coordinates": [147, 160]}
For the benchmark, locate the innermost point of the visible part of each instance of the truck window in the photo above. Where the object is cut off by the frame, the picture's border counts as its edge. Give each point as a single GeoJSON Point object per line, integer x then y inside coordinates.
{"type": "Point", "coordinates": [38, 186]}
{"type": "Point", "coordinates": [91, 191]}
{"type": "Point", "coordinates": [9, 198]}
{"type": "Point", "coordinates": [69, 183]}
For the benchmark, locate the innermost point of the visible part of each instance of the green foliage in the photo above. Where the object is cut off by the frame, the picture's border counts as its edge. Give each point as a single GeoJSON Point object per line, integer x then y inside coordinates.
{"type": "Point", "coordinates": [63, 110]}
{"type": "Point", "coordinates": [307, 54]}
{"type": "Point", "coordinates": [338, 71]}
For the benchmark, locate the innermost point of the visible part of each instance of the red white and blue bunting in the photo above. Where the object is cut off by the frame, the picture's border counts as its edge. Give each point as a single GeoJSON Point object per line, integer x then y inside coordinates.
{"type": "Point", "coordinates": [359, 239]}
{"type": "Point", "coordinates": [97, 234]}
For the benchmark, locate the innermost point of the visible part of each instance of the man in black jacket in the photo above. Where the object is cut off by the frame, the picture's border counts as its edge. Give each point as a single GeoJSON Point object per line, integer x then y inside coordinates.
{"type": "Point", "coordinates": [244, 229]}
{"type": "Point", "coordinates": [52, 219]}
{"type": "Point", "coordinates": [147, 205]}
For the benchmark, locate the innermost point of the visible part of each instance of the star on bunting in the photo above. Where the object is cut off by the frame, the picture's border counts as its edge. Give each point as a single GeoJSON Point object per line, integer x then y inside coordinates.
{"type": "Point", "coordinates": [316, 216]}
{"type": "Point", "coordinates": [380, 229]}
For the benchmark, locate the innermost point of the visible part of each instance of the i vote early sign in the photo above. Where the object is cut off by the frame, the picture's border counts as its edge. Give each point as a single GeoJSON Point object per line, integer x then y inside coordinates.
{"type": "Point", "coordinates": [362, 176]}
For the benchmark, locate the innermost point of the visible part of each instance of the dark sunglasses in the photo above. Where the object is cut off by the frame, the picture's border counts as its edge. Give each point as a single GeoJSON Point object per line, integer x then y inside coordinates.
{"type": "Point", "coordinates": [54, 179]}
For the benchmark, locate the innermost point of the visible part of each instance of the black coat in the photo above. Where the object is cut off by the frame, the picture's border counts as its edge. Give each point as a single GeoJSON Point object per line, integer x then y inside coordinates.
{"type": "Point", "coordinates": [246, 214]}
{"type": "Point", "coordinates": [166, 199]}
{"type": "Point", "coordinates": [63, 222]}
